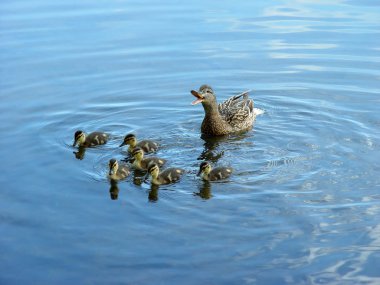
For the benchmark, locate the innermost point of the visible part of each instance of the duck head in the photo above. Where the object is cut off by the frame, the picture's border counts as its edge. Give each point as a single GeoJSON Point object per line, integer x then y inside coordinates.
{"type": "Point", "coordinates": [153, 170]}
{"type": "Point", "coordinates": [129, 139]}
{"type": "Point", "coordinates": [204, 168]}
{"type": "Point", "coordinates": [138, 154]}
{"type": "Point", "coordinates": [113, 165]}
{"type": "Point", "coordinates": [79, 138]}
{"type": "Point", "coordinates": [205, 95]}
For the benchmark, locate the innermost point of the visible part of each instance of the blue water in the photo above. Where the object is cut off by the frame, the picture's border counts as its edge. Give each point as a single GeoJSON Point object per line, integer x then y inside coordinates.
{"type": "Point", "coordinates": [303, 205]}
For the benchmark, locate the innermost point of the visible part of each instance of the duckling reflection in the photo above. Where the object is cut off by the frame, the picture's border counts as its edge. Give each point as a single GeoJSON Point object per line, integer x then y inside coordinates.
{"type": "Point", "coordinates": [204, 190]}
{"type": "Point", "coordinates": [153, 193]}
{"type": "Point", "coordinates": [138, 177]}
{"type": "Point", "coordinates": [114, 190]}
{"type": "Point", "coordinates": [80, 153]}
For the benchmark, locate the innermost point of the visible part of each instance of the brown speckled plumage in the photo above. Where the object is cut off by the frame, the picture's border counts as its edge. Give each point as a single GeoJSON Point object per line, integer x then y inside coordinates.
{"type": "Point", "coordinates": [236, 114]}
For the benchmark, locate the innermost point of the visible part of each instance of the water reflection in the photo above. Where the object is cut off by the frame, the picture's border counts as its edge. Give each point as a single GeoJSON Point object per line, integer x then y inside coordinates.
{"type": "Point", "coordinates": [204, 190]}
{"type": "Point", "coordinates": [153, 193]}
{"type": "Point", "coordinates": [80, 153]}
{"type": "Point", "coordinates": [210, 151]}
{"type": "Point", "coordinates": [114, 190]}
{"type": "Point", "coordinates": [138, 177]}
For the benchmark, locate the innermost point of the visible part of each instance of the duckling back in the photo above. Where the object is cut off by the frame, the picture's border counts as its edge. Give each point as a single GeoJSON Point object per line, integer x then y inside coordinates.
{"type": "Point", "coordinates": [145, 162]}
{"type": "Point", "coordinates": [148, 146]}
{"type": "Point", "coordinates": [96, 138]}
{"type": "Point", "coordinates": [122, 172]}
{"type": "Point", "coordinates": [220, 173]}
{"type": "Point", "coordinates": [170, 175]}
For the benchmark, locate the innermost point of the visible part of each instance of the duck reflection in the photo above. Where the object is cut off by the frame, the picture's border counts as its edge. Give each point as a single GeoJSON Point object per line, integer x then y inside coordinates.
{"type": "Point", "coordinates": [153, 193]}
{"type": "Point", "coordinates": [204, 190]}
{"type": "Point", "coordinates": [114, 190]}
{"type": "Point", "coordinates": [139, 177]}
{"type": "Point", "coordinates": [210, 152]}
{"type": "Point", "coordinates": [80, 153]}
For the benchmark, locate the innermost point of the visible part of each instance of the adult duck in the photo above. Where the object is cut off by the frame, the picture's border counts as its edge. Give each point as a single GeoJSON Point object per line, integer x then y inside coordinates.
{"type": "Point", "coordinates": [236, 114]}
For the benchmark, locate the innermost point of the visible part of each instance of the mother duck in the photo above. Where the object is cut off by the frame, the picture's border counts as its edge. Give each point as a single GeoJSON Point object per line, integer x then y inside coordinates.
{"type": "Point", "coordinates": [236, 114]}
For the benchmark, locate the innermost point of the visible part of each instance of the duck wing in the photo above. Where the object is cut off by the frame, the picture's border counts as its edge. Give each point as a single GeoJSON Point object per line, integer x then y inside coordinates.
{"type": "Point", "coordinates": [237, 109]}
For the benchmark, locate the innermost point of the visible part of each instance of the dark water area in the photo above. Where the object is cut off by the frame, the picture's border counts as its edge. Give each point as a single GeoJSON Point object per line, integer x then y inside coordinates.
{"type": "Point", "coordinates": [303, 204]}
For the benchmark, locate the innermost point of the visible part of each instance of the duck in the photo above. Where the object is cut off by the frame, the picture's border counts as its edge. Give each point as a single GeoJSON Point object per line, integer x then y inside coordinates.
{"type": "Point", "coordinates": [168, 176]}
{"type": "Point", "coordinates": [88, 140]}
{"type": "Point", "coordinates": [117, 171]}
{"type": "Point", "coordinates": [207, 173]}
{"type": "Point", "coordinates": [147, 146]}
{"type": "Point", "coordinates": [236, 114]}
{"type": "Point", "coordinates": [141, 163]}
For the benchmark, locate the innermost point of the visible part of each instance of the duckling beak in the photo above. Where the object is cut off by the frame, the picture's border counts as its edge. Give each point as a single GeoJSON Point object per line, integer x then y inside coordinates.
{"type": "Point", "coordinates": [199, 172]}
{"type": "Point", "coordinates": [75, 143]}
{"type": "Point", "coordinates": [199, 97]}
{"type": "Point", "coordinates": [123, 143]}
{"type": "Point", "coordinates": [111, 172]}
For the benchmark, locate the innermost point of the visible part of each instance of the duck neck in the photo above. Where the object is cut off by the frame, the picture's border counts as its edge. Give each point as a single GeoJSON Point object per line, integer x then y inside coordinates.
{"type": "Point", "coordinates": [155, 179]}
{"type": "Point", "coordinates": [137, 162]}
{"type": "Point", "coordinates": [211, 110]}
{"type": "Point", "coordinates": [213, 123]}
{"type": "Point", "coordinates": [205, 175]}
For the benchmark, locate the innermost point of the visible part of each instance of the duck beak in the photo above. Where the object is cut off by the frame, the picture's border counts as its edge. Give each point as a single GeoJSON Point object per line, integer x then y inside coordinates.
{"type": "Point", "coordinates": [111, 172]}
{"type": "Point", "coordinates": [75, 143]}
{"type": "Point", "coordinates": [199, 172]}
{"type": "Point", "coordinates": [123, 143]}
{"type": "Point", "coordinates": [199, 97]}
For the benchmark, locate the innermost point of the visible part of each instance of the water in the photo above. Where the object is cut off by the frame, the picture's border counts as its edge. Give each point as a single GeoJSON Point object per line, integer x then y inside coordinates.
{"type": "Point", "coordinates": [303, 205]}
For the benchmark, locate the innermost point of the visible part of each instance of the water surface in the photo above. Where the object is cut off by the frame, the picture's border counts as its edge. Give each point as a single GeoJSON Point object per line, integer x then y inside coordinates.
{"type": "Point", "coordinates": [303, 205]}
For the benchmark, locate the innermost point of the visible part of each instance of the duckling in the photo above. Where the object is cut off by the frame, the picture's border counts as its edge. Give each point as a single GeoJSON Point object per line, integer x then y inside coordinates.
{"type": "Point", "coordinates": [142, 163]}
{"type": "Point", "coordinates": [117, 171]}
{"type": "Point", "coordinates": [146, 145]}
{"type": "Point", "coordinates": [96, 138]}
{"type": "Point", "coordinates": [209, 174]}
{"type": "Point", "coordinates": [167, 176]}
{"type": "Point", "coordinates": [236, 114]}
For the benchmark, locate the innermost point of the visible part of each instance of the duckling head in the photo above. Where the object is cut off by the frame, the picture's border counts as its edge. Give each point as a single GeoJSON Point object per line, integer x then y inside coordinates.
{"type": "Point", "coordinates": [205, 95]}
{"type": "Point", "coordinates": [79, 138]}
{"type": "Point", "coordinates": [129, 139]}
{"type": "Point", "coordinates": [138, 153]}
{"type": "Point", "coordinates": [204, 168]}
{"type": "Point", "coordinates": [113, 165]}
{"type": "Point", "coordinates": [153, 170]}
